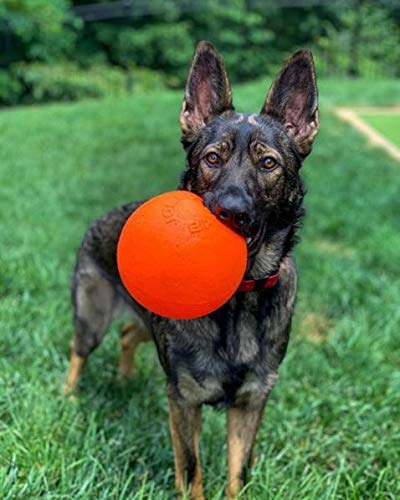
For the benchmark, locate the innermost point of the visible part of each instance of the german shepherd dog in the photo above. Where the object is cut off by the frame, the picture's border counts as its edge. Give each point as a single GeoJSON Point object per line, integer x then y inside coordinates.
{"type": "Point", "coordinates": [246, 169]}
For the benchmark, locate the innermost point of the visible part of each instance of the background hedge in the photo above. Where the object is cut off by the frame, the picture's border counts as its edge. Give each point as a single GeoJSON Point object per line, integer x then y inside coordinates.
{"type": "Point", "coordinates": [51, 50]}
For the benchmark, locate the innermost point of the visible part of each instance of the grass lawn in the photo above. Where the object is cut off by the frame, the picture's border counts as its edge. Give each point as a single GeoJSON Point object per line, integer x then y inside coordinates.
{"type": "Point", "coordinates": [388, 124]}
{"type": "Point", "coordinates": [332, 426]}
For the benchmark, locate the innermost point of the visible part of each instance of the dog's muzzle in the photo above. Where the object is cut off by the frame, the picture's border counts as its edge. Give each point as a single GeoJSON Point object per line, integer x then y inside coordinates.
{"type": "Point", "coordinates": [234, 210]}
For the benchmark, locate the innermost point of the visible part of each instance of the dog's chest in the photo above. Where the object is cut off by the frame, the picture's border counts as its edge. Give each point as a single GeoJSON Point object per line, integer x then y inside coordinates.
{"type": "Point", "coordinates": [219, 359]}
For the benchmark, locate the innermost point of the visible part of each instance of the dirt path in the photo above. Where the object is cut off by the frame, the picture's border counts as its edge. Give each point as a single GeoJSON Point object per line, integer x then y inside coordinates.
{"type": "Point", "coordinates": [374, 137]}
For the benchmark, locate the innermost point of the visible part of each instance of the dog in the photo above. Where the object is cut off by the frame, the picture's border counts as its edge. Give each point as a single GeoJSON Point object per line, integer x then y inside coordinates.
{"type": "Point", "coordinates": [246, 169]}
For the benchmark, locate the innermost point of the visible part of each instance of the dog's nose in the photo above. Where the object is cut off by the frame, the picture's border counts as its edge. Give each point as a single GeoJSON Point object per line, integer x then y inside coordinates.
{"type": "Point", "coordinates": [233, 212]}
{"type": "Point", "coordinates": [232, 218]}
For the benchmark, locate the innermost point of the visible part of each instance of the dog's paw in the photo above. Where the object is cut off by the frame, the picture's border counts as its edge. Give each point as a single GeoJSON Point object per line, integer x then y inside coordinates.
{"type": "Point", "coordinates": [69, 392]}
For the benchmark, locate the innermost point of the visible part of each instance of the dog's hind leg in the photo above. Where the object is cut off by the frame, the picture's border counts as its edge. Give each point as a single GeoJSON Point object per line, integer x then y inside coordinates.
{"type": "Point", "coordinates": [93, 301]}
{"type": "Point", "coordinates": [132, 334]}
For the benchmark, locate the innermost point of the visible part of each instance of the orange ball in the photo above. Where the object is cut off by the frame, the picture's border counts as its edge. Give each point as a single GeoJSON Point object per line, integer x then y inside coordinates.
{"type": "Point", "coordinates": [177, 259]}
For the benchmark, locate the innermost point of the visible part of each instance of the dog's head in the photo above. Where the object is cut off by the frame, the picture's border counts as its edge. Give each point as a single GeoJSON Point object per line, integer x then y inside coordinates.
{"type": "Point", "coordinates": [246, 166]}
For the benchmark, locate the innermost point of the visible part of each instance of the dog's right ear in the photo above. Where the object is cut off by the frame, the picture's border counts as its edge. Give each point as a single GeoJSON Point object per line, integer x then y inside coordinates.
{"type": "Point", "coordinates": [207, 92]}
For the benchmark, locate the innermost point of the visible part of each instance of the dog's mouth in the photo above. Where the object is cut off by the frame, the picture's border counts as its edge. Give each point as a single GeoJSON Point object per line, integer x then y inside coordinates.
{"type": "Point", "coordinates": [254, 242]}
{"type": "Point", "coordinates": [254, 235]}
{"type": "Point", "coordinates": [252, 232]}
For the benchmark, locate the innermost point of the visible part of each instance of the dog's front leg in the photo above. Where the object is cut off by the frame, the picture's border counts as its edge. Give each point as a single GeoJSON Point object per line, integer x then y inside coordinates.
{"type": "Point", "coordinates": [185, 422]}
{"type": "Point", "coordinates": [242, 426]}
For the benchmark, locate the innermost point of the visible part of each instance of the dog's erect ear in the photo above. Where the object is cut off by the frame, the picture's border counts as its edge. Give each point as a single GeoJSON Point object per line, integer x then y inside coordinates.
{"type": "Point", "coordinates": [293, 100]}
{"type": "Point", "coordinates": [207, 92]}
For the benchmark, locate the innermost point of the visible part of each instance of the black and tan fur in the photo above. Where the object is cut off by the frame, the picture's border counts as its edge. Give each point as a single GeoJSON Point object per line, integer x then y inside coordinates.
{"type": "Point", "coordinates": [246, 168]}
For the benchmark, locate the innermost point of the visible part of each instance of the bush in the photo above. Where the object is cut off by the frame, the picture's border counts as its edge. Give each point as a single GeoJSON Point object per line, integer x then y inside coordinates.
{"type": "Point", "coordinates": [154, 45]}
{"type": "Point", "coordinates": [162, 47]}
{"type": "Point", "coordinates": [365, 42]}
{"type": "Point", "coordinates": [41, 29]}
{"type": "Point", "coordinates": [10, 89]}
{"type": "Point", "coordinates": [242, 35]}
{"type": "Point", "coordinates": [144, 79]}
{"type": "Point", "coordinates": [69, 82]}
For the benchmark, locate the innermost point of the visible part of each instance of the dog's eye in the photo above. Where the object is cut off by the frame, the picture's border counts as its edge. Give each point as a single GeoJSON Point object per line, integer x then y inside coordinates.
{"type": "Point", "coordinates": [213, 159]}
{"type": "Point", "coordinates": [269, 162]}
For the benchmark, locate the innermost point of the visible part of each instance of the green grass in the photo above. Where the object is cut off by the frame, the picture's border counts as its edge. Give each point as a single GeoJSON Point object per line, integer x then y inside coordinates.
{"type": "Point", "coordinates": [332, 426]}
{"type": "Point", "coordinates": [385, 123]}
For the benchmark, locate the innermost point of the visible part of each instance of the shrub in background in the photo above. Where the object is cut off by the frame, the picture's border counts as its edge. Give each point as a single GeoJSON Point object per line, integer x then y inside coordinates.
{"type": "Point", "coordinates": [362, 41]}
{"type": "Point", "coordinates": [38, 82]}
{"type": "Point", "coordinates": [11, 89]}
{"type": "Point", "coordinates": [166, 48]}
{"type": "Point", "coordinates": [144, 80]}
{"type": "Point", "coordinates": [68, 82]}
{"type": "Point", "coordinates": [37, 30]}
{"type": "Point", "coordinates": [244, 37]}
{"type": "Point", "coordinates": [153, 46]}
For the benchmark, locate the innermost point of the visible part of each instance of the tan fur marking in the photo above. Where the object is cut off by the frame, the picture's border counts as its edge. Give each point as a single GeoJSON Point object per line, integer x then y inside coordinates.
{"type": "Point", "coordinates": [222, 148]}
{"type": "Point", "coordinates": [185, 434]}
{"type": "Point", "coordinates": [252, 120]}
{"type": "Point", "coordinates": [242, 426]}
{"type": "Point", "coordinates": [261, 150]}
{"type": "Point", "coordinates": [76, 366]}
{"type": "Point", "coordinates": [131, 336]}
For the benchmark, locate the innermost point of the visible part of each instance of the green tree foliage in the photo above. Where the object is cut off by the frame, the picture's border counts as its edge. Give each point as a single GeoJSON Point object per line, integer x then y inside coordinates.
{"type": "Point", "coordinates": [156, 41]}
{"type": "Point", "coordinates": [362, 40]}
{"type": "Point", "coordinates": [39, 29]}
{"type": "Point", "coordinates": [159, 46]}
{"type": "Point", "coordinates": [67, 81]}
{"type": "Point", "coordinates": [240, 33]}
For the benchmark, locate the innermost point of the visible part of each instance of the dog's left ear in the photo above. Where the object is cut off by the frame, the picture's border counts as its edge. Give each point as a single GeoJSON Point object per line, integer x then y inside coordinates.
{"type": "Point", "coordinates": [207, 92]}
{"type": "Point", "coordinates": [293, 100]}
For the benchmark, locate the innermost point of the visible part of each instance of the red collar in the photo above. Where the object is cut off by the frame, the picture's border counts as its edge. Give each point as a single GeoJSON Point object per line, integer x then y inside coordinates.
{"type": "Point", "coordinates": [259, 284]}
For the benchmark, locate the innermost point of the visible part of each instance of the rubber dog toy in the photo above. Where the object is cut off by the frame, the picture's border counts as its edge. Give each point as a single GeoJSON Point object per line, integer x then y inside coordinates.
{"type": "Point", "coordinates": [177, 259]}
